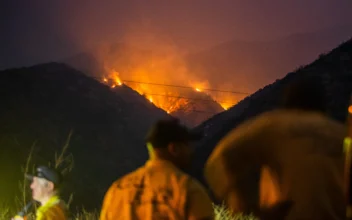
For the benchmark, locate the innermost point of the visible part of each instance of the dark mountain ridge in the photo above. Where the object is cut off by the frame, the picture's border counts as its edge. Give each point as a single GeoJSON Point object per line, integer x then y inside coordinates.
{"type": "Point", "coordinates": [197, 106]}
{"type": "Point", "coordinates": [43, 103]}
{"type": "Point", "coordinates": [334, 70]}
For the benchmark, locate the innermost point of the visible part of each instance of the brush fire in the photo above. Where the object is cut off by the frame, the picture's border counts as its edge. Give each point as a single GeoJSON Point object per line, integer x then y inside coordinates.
{"type": "Point", "coordinates": [167, 98]}
{"type": "Point", "coordinates": [154, 66]}
{"type": "Point", "coordinates": [163, 78]}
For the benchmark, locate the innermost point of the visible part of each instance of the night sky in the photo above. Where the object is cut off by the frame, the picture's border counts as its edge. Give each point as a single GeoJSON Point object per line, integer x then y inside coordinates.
{"type": "Point", "coordinates": [34, 31]}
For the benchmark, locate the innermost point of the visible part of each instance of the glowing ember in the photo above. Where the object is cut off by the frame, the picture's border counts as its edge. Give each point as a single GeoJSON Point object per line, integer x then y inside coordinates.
{"type": "Point", "coordinates": [118, 81]}
{"type": "Point", "coordinates": [226, 105]}
{"type": "Point", "coordinates": [350, 109]}
{"type": "Point", "coordinates": [116, 78]}
{"type": "Point", "coordinates": [160, 96]}
{"type": "Point", "coordinates": [166, 98]}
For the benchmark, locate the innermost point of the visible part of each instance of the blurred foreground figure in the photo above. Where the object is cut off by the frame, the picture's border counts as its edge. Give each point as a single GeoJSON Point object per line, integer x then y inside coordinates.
{"type": "Point", "coordinates": [45, 189]}
{"type": "Point", "coordinates": [284, 164]}
{"type": "Point", "coordinates": [159, 189]}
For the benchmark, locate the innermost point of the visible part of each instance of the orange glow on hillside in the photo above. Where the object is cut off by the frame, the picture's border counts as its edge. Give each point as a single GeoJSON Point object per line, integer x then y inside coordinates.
{"type": "Point", "coordinates": [199, 86]}
{"type": "Point", "coordinates": [156, 68]}
{"type": "Point", "coordinates": [226, 105]}
{"type": "Point", "coordinates": [116, 78]}
{"type": "Point", "coordinates": [226, 100]}
{"type": "Point", "coordinates": [166, 98]}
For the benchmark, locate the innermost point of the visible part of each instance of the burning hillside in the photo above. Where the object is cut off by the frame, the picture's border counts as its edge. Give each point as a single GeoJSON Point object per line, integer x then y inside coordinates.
{"type": "Point", "coordinates": [190, 104]}
{"type": "Point", "coordinates": [159, 73]}
{"type": "Point", "coordinates": [163, 98]}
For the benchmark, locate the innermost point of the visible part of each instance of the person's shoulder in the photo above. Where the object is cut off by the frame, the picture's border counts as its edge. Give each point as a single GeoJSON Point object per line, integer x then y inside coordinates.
{"type": "Point", "coordinates": [310, 123]}
{"type": "Point", "coordinates": [277, 121]}
{"type": "Point", "coordinates": [128, 179]}
{"type": "Point", "coordinates": [118, 187]}
{"type": "Point", "coordinates": [57, 211]}
{"type": "Point", "coordinates": [289, 116]}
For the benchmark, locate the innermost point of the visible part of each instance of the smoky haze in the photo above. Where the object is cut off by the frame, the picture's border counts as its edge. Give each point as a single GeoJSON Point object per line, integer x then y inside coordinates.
{"type": "Point", "coordinates": [41, 31]}
{"type": "Point", "coordinates": [36, 31]}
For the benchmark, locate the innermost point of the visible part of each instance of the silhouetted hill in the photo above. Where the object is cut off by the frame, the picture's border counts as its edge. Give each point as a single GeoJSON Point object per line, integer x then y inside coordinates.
{"type": "Point", "coordinates": [236, 65]}
{"type": "Point", "coordinates": [192, 107]}
{"type": "Point", "coordinates": [335, 72]}
{"type": "Point", "coordinates": [43, 103]}
{"type": "Point", "coordinates": [247, 66]}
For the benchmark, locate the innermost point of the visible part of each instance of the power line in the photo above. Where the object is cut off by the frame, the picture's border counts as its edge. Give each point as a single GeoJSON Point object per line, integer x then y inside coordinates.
{"type": "Point", "coordinates": [189, 98]}
{"type": "Point", "coordinates": [193, 110]}
{"type": "Point", "coordinates": [185, 87]}
{"type": "Point", "coordinates": [200, 111]}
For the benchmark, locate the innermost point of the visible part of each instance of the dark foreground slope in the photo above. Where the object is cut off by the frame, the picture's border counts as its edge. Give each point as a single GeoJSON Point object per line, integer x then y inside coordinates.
{"type": "Point", "coordinates": [334, 70]}
{"type": "Point", "coordinates": [43, 103]}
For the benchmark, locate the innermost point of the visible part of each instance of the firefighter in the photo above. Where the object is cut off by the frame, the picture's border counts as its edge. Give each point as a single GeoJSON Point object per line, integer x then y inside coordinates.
{"type": "Point", "coordinates": [45, 190]}
{"type": "Point", "coordinates": [160, 189]}
{"type": "Point", "coordinates": [285, 163]}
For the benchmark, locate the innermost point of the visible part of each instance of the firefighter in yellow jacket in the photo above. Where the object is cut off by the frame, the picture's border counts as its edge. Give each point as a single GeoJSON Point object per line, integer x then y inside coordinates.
{"type": "Point", "coordinates": [45, 188]}
{"type": "Point", "coordinates": [160, 189]}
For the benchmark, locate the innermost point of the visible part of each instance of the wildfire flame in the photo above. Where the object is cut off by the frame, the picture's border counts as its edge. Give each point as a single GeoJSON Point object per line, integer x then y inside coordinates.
{"type": "Point", "coordinates": [116, 78]}
{"type": "Point", "coordinates": [164, 98]}
{"type": "Point", "coordinates": [160, 97]}
{"type": "Point", "coordinates": [225, 100]}
{"type": "Point", "coordinates": [226, 103]}
{"type": "Point", "coordinates": [149, 57]}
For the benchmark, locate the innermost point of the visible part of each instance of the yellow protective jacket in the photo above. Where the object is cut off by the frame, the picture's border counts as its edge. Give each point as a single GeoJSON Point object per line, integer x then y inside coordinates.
{"type": "Point", "coordinates": [158, 190]}
{"type": "Point", "coordinates": [54, 209]}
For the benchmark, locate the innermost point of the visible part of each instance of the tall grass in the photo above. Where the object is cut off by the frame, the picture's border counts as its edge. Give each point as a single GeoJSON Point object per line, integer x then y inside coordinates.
{"type": "Point", "coordinates": [65, 163]}
{"type": "Point", "coordinates": [220, 212]}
